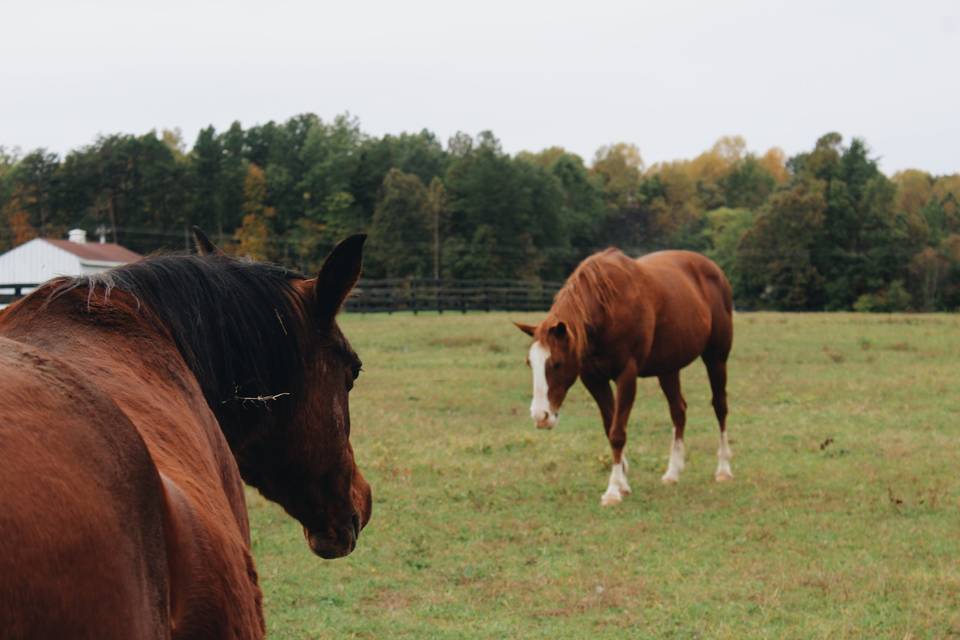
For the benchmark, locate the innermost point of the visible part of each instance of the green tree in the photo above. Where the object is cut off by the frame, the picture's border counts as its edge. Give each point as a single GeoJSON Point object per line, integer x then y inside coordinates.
{"type": "Point", "coordinates": [253, 236]}
{"type": "Point", "coordinates": [233, 176]}
{"type": "Point", "coordinates": [34, 177]}
{"type": "Point", "coordinates": [17, 222]}
{"type": "Point", "coordinates": [206, 169]}
{"type": "Point", "coordinates": [671, 202]}
{"type": "Point", "coordinates": [401, 234]}
{"type": "Point", "coordinates": [436, 209]}
{"type": "Point", "coordinates": [503, 213]}
{"type": "Point", "coordinates": [775, 258]}
{"type": "Point", "coordinates": [419, 154]}
{"type": "Point", "coordinates": [619, 168]}
{"type": "Point", "coordinates": [748, 184]}
{"type": "Point", "coordinates": [583, 216]}
{"type": "Point", "coordinates": [858, 249]}
{"type": "Point", "coordinates": [724, 231]}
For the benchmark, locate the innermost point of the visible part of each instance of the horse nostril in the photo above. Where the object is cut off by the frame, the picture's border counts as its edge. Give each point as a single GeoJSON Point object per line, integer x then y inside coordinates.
{"type": "Point", "coordinates": [356, 526]}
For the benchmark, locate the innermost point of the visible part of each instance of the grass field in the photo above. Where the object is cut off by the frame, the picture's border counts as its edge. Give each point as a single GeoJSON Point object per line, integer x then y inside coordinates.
{"type": "Point", "coordinates": [843, 520]}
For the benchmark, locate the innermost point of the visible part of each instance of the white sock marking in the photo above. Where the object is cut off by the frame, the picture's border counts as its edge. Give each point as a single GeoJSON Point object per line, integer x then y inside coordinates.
{"type": "Point", "coordinates": [617, 487]}
{"type": "Point", "coordinates": [675, 465]}
{"type": "Point", "coordinates": [723, 459]}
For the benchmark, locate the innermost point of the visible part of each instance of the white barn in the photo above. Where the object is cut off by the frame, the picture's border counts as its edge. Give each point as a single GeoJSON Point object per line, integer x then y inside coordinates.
{"type": "Point", "coordinates": [40, 259]}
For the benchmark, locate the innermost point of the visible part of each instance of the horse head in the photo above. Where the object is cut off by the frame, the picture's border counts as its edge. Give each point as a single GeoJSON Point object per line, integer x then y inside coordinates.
{"type": "Point", "coordinates": [553, 360]}
{"type": "Point", "coordinates": [295, 447]}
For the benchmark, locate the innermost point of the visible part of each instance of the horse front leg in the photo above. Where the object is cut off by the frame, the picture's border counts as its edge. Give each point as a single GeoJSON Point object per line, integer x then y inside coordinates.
{"type": "Point", "coordinates": [599, 388]}
{"type": "Point", "coordinates": [617, 487]}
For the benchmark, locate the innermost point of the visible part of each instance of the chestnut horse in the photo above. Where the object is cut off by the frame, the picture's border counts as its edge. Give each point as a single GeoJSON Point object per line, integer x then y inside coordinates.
{"type": "Point", "coordinates": [133, 405]}
{"type": "Point", "coordinates": [619, 319]}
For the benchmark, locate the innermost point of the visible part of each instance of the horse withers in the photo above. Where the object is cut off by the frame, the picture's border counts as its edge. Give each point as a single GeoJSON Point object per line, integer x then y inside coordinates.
{"type": "Point", "coordinates": [617, 319]}
{"type": "Point", "coordinates": [133, 405]}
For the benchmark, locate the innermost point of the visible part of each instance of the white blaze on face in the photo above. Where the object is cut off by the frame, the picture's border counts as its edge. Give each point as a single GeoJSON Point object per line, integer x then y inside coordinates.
{"type": "Point", "coordinates": [540, 409]}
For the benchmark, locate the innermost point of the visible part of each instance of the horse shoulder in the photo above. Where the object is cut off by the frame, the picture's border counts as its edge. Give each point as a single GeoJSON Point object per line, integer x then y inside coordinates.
{"type": "Point", "coordinates": [214, 588]}
{"type": "Point", "coordinates": [211, 595]}
{"type": "Point", "coordinates": [628, 331]}
{"type": "Point", "coordinates": [205, 530]}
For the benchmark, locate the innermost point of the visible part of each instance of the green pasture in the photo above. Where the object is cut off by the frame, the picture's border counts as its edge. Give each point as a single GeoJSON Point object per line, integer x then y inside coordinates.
{"type": "Point", "coordinates": [843, 520]}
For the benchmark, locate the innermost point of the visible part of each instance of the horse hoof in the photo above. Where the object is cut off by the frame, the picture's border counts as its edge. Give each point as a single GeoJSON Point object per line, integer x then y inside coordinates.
{"type": "Point", "coordinates": [723, 476]}
{"type": "Point", "coordinates": [607, 500]}
{"type": "Point", "coordinates": [669, 479]}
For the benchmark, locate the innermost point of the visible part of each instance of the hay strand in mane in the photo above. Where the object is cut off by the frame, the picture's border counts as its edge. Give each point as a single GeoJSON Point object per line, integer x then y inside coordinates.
{"type": "Point", "coordinates": [235, 322]}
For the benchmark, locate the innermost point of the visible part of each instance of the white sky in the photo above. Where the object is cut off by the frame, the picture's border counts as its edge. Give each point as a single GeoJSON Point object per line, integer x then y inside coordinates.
{"type": "Point", "coordinates": [670, 76]}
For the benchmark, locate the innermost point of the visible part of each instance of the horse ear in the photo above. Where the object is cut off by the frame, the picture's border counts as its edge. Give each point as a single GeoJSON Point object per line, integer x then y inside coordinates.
{"type": "Point", "coordinates": [526, 328]}
{"type": "Point", "coordinates": [204, 246]}
{"type": "Point", "coordinates": [559, 330]}
{"type": "Point", "coordinates": [339, 274]}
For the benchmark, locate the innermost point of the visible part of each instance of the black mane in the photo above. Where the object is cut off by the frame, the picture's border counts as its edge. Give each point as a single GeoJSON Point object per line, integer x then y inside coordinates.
{"type": "Point", "coordinates": [235, 322]}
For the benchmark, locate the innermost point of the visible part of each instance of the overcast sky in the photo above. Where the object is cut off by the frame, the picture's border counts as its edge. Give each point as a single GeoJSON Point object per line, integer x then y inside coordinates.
{"type": "Point", "coordinates": [670, 76]}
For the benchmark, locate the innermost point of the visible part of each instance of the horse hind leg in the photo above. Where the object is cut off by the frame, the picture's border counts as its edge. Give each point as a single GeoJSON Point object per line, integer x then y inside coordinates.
{"type": "Point", "coordinates": [717, 372]}
{"type": "Point", "coordinates": [670, 384]}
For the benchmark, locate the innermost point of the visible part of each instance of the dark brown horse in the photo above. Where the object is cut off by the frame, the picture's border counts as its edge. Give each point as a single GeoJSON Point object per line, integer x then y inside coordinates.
{"type": "Point", "coordinates": [618, 319]}
{"type": "Point", "coordinates": [131, 405]}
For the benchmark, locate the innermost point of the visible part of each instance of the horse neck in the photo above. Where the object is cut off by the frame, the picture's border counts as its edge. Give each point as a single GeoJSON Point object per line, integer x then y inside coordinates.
{"type": "Point", "coordinates": [123, 349]}
{"type": "Point", "coordinates": [139, 367]}
{"type": "Point", "coordinates": [577, 324]}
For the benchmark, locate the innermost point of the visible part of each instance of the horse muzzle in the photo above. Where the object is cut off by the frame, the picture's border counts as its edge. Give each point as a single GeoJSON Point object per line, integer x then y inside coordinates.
{"type": "Point", "coordinates": [546, 420]}
{"type": "Point", "coordinates": [335, 542]}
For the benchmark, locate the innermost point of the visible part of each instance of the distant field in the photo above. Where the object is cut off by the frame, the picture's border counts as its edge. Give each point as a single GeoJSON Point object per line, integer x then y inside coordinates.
{"type": "Point", "coordinates": [843, 520]}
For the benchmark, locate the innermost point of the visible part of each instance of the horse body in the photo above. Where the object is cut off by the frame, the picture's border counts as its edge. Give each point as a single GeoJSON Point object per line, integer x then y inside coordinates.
{"type": "Point", "coordinates": [617, 319]}
{"type": "Point", "coordinates": [80, 513]}
{"type": "Point", "coordinates": [148, 535]}
{"type": "Point", "coordinates": [689, 302]}
{"type": "Point", "coordinates": [151, 390]}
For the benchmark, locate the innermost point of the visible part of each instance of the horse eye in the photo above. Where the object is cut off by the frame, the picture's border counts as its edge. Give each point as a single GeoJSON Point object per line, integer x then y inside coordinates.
{"type": "Point", "coordinates": [355, 370]}
{"type": "Point", "coordinates": [556, 365]}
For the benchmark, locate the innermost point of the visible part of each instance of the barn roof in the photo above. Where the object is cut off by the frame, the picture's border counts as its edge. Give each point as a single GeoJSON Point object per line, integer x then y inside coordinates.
{"type": "Point", "coordinates": [101, 252]}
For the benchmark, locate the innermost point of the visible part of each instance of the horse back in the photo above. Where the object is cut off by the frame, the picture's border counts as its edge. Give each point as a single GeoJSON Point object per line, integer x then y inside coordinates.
{"type": "Point", "coordinates": [82, 540]}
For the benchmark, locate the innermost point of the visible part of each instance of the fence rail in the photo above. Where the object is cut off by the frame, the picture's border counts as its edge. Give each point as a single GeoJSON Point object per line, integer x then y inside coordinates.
{"type": "Point", "coordinates": [11, 292]}
{"type": "Point", "coordinates": [427, 294]}
{"type": "Point", "coordinates": [416, 294]}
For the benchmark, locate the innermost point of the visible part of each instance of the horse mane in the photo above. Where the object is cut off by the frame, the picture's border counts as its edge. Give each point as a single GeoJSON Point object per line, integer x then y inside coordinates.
{"type": "Point", "coordinates": [589, 294]}
{"type": "Point", "coordinates": [235, 322]}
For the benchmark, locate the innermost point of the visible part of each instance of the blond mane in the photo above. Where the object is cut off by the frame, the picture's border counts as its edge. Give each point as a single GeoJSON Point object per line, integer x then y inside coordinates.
{"type": "Point", "coordinates": [589, 294]}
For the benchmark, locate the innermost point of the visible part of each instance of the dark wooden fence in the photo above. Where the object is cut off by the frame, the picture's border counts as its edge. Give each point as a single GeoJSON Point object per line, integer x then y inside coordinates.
{"type": "Point", "coordinates": [11, 292]}
{"type": "Point", "coordinates": [426, 294]}
{"type": "Point", "coordinates": [418, 294]}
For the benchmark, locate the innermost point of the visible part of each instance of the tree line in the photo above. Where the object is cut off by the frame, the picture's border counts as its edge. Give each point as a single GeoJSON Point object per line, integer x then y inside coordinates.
{"type": "Point", "coordinates": [822, 230]}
